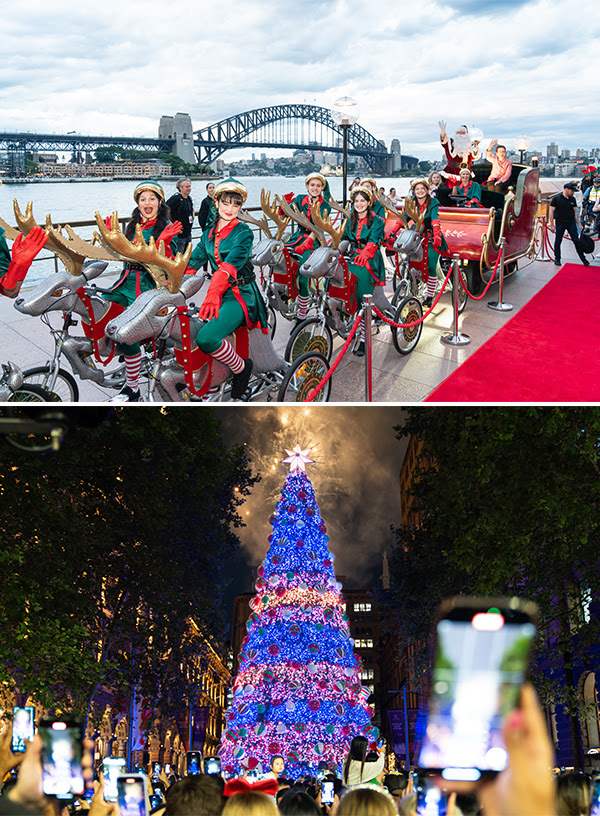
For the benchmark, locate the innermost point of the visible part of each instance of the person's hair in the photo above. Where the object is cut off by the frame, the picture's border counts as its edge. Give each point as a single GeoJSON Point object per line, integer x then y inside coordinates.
{"type": "Point", "coordinates": [427, 197]}
{"type": "Point", "coordinates": [435, 173]}
{"type": "Point", "coordinates": [227, 198]}
{"type": "Point", "coordinates": [274, 757]}
{"type": "Point", "coordinates": [366, 802]}
{"type": "Point", "coordinates": [408, 804]}
{"type": "Point", "coordinates": [358, 753]}
{"type": "Point", "coordinates": [298, 803]}
{"type": "Point", "coordinates": [354, 214]}
{"type": "Point", "coordinates": [209, 183]}
{"type": "Point", "coordinates": [395, 781]}
{"type": "Point", "coordinates": [163, 216]}
{"type": "Point", "coordinates": [196, 794]}
{"type": "Point", "coordinates": [250, 803]}
{"type": "Point", "coordinates": [500, 146]}
{"type": "Point", "coordinates": [181, 181]}
{"type": "Point", "coordinates": [573, 794]}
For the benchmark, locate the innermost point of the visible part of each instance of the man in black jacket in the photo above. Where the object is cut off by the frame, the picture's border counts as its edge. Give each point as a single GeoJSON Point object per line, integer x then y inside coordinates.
{"type": "Point", "coordinates": [182, 209]}
{"type": "Point", "coordinates": [205, 206]}
{"type": "Point", "coordinates": [563, 214]}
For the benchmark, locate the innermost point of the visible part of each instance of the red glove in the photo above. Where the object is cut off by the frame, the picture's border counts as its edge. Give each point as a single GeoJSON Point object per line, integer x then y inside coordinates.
{"type": "Point", "coordinates": [308, 243]}
{"type": "Point", "coordinates": [24, 251]}
{"type": "Point", "coordinates": [437, 236]}
{"type": "Point", "coordinates": [219, 284]}
{"type": "Point", "coordinates": [169, 232]}
{"type": "Point", "coordinates": [365, 255]}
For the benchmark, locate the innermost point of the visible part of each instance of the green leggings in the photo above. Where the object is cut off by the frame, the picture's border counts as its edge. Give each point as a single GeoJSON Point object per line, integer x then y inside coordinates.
{"type": "Point", "coordinates": [211, 335]}
{"type": "Point", "coordinates": [364, 282]}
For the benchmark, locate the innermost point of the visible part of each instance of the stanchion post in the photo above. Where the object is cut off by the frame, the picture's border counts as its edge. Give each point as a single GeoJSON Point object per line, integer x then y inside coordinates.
{"type": "Point", "coordinates": [499, 305]}
{"type": "Point", "coordinates": [368, 308]}
{"type": "Point", "coordinates": [543, 258]}
{"type": "Point", "coordinates": [455, 338]}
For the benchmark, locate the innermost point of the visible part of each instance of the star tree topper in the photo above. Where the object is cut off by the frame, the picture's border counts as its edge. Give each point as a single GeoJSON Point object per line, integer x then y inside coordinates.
{"type": "Point", "coordinates": [298, 459]}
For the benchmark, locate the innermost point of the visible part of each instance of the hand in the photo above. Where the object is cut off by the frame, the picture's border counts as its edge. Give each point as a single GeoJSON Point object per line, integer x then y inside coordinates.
{"type": "Point", "coordinates": [99, 806]}
{"type": "Point", "coordinates": [308, 243]}
{"type": "Point", "coordinates": [25, 248]}
{"type": "Point", "coordinates": [219, 284]}
{"type": "Point", "coordinates": [28, 789]}
{"type": "Point", "coordinates": [169, 232]}
{"type": "Point", "coordinates": [526, 787]}
{"type": "Point", "coordinates": [442, 126]}
{"type": "Point", "coordinates": [8, 760]}
{"type": "Point", "coordinates": [493, 142]}
{"type": "Point", "coordinates": [362, 258]}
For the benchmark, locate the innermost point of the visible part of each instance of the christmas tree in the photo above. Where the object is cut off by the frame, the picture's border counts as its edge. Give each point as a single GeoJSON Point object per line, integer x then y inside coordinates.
{"type": "Point", "coordinates": [298, 691]}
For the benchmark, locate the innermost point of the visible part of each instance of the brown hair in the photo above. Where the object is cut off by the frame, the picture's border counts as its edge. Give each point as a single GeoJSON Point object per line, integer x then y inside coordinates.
{"type": "Point", "coordinates": [366, 802]}
{"type": "Point", "coordinates": [250, 803]}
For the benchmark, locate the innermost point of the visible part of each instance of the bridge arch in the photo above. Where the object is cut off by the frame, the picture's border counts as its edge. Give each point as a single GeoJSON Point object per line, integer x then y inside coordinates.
{"type": "Point", "coordinates": [214, 140]}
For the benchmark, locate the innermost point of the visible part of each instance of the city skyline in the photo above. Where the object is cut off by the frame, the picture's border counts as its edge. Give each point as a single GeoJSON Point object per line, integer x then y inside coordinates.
{"type": "Point", "coordinates": [407, 67]}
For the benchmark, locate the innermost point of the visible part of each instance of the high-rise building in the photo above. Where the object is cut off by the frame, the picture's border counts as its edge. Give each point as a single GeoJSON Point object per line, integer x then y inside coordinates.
{"type": "Point", "coordinates": [179, 128]}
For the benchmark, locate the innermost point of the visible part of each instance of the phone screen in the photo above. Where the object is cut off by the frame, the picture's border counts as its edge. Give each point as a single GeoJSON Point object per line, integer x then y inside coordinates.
{"type": "Point", "coordinates": [431, 801]}
{"type": "Point", "coordinates": [212, 765]}
{"type": "Point", "coordinates": [155, 800]}
{"type": "Point", "coordinates": [480, 664]}
{"type": "Point", "coordinates": [22, 728]}
{"type": "Point", "coordinates": [327, 793]}
{"type": "Point", "coordinates": [194, 763]}
{"type": "Point", "coordinates": [156, 768]}
{"type": "Point", "coordinates": [131, 795]}
{"type": "Point", "coordinates": [62, 751]}
{"type": "Point", "coordinates": [112, 768]}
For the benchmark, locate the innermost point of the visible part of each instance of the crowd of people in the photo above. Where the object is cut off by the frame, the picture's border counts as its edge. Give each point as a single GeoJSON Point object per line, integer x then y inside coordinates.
{"type": "Point", "coordinates": [527, 787]}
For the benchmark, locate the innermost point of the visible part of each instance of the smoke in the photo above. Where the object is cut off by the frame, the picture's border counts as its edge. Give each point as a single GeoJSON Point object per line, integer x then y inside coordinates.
{"type": "Point", "coordinates": [355, 476]}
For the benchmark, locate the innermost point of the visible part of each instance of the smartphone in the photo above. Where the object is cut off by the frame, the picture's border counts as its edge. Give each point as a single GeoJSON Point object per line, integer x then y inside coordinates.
{"type": "Point", "coordinates": [112, 768]}
{"type": "Point", "coordinates": [327, 793]}
{"type": "Point", "coordinates": [595, 807]}
{"type": "Point", "coordinates": [156, 769]}
{"type": "Point", "coordinates": [321, 774]}
{"type": "Point", "coordinates": [481, 661]}
{"type": "Point", "coordinates": [167, 768]}
{"type": "Point", "coordinates": [156, 800]}
{"type": "Point", "coordinates": [431, 800]}
{"type": "Point", "coordinates": [62, 752]}
{"type": "Point", "coordinates": [22, 728]}
{"type": "Point", "coordinates": [193, 762]}
{"type": "Point", "coordinates": [212, 765]}
{"type": "Point", "coordinates": [132, 795]}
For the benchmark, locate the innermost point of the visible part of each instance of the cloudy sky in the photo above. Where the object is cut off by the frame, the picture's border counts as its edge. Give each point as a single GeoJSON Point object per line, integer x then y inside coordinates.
{"type": "Point", "coordinates": [506, 66]}
{"type": "Point", "coordinates": [356, 479]}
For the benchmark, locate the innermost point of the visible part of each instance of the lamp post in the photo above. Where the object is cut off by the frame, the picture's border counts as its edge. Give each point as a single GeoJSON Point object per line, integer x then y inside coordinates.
{"type": "Point", "coordinates": [345, 113]}
{"type": "Point", "coordinates": [522, 143]}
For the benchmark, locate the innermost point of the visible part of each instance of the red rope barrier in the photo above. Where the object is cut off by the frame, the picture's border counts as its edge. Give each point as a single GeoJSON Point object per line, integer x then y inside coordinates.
{"type": "Point", "coordinates": [337, 360]}
{"type": "Point", "coordinates": [421, 319]}
{"type": "Point", "coordinates": [489, 283]}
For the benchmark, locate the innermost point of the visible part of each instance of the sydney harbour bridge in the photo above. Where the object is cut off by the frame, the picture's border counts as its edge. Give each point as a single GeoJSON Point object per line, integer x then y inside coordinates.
{"type": "Point", "coordinates": [297, 127]}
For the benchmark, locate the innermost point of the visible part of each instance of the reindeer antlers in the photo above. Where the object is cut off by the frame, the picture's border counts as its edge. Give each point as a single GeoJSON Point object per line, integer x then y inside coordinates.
{"type": "Point", "coordinates": [412, 211]}
{"type": "Point", "coordinates": [273, 212]}
{"type": "Point", "coordinates": [263, 224]}
{"type": "Point", "coordinates": [167, 272]}
{"type": "Point", "coordinates": [325, 225]}
{"type": "Point", "coordinates": [387, 202]}
{"type": "Point", "coordinates": [301, 219]}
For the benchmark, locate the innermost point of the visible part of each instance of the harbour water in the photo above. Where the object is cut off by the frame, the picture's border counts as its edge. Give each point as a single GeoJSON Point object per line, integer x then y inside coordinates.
{"type": "Point", "coordinates": [67, 202]}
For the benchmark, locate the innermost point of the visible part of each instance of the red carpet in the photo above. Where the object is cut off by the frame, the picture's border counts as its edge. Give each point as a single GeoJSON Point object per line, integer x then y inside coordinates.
{"type": "Point", "coordinates": [548, 352]}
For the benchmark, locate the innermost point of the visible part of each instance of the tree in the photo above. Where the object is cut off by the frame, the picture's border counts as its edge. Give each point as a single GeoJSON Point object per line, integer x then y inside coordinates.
{"type": "Point", "coordinates": [509, 507]}
{"type": "Point", "coordinates": [108, 154]}
{"type": "Point", "coordinates": [298, 692]}
{"type": "Point", "coordinates": [110, 548]}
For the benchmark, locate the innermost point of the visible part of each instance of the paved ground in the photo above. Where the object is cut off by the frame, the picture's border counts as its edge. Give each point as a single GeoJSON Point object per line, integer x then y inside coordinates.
{"type": "Point", "coordinates": [400, 379]}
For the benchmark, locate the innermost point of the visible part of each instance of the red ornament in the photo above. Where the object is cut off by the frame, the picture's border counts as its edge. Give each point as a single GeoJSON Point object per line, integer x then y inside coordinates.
{"type": "Point", "coordinates": [322, 684]}
{"type": "Point", "coordinates": [295, 664]}
{"type": "Point", "coordinates": [322, 528]}
{"type": "Point", "coordinates": [292, 508]}
{"type": "Point", "coordinates": [327, 563]}
{"type": "Point", "coordinates": [314, 705]}
{"type": "Point", "coordinates": [273, 649]}
{"type": "Point", "coordinates": [300, 543]}
{"type": "Point", "coordinates": [251, 762]}
{"type": "Point", "coordinates": [274, 748]}
{"type": "Point", "coordinates": [345, 730]}
{"type": "Point", "coordinates": [261, 569]}
{"type": "Point", "coordinates": [276, 701]}
{"type": "Point", "coordinates": [280, 591]}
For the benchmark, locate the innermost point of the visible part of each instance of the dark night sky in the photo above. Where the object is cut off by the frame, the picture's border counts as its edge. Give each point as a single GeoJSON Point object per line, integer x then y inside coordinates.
{"type": "Point", "coordinates": [355, 477]}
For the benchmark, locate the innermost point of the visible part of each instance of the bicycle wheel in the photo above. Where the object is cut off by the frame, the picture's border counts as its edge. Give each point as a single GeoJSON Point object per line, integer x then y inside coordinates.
{"type": "Point", "coordinates": [401, 291]}
{"type": "Point", "coordinates": [313, 334]}
{"type": "Point", "coordinates": [61, 386]}
{"type": "Point", "coordinates": [29, 392]}
{"type": "Point", "coordinates": [302, 376]}
{"type": "Point", "coordinates": [409, 310]}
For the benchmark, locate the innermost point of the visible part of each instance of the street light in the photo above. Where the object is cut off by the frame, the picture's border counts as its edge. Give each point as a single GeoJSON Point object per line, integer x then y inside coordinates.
{"type": "Point", "coordinates": [522, 143]}
{"type": "Point", "coordinates": [345, 113]}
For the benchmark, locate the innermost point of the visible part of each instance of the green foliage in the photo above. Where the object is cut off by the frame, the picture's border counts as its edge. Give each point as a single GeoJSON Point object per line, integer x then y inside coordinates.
{"type": "Point", "coordinates": [110, 547]}
{"type": "Point", "coordinates": [509, 507]}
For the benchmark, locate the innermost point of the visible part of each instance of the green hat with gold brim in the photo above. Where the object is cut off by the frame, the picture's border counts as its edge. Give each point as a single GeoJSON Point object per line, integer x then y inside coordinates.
{"type": "Point", "coordinates": [366, 191]}
{"type": "Point", "coordinates": [231, 185]}
{"type": "Point", "coordinates": [151, 186]}
{"type": "Point", "coordinates": [317, 176]}
{"type": "Point", "coordinates": [416, 181]}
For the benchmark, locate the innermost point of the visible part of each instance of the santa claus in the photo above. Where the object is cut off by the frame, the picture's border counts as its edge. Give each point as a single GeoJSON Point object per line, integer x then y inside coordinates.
{"type": "Point", "coordinates": [461, 151]}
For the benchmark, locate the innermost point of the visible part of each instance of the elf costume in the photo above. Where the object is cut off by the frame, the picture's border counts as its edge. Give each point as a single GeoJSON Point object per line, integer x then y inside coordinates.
{"type": "Point", "coordinates": [302, 242]}
{"type": "Point", "coordinates": [428, 210]}
{"type": "Point", "coordinates": [233, 298]}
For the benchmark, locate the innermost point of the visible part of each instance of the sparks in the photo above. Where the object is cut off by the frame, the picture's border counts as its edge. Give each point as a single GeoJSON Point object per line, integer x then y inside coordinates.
{"type": "Point", "coordinates": [298, 458]}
